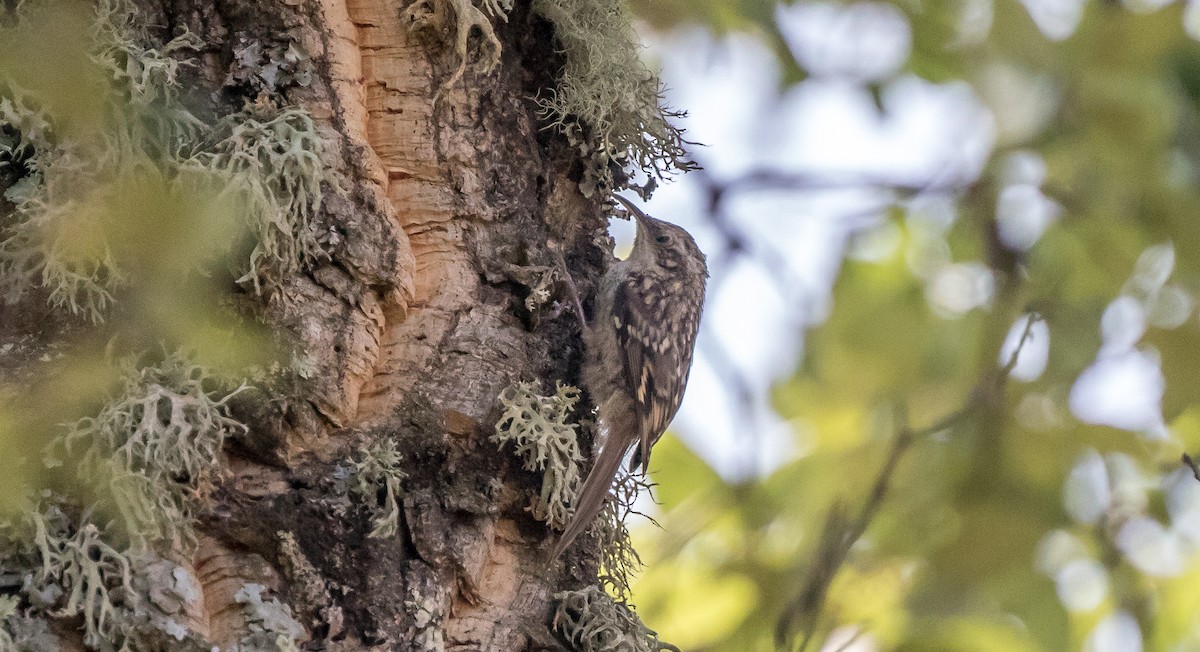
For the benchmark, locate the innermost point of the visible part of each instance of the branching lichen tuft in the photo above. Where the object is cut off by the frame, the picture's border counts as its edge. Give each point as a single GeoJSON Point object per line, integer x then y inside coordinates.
{"type": "Point", "coordinates": [607, 102]}
{"type": "Point", "coordinates": [56, 238]}
{"type": "Point", "coordinates": [153, 447]}
{"type": "Point", "coordinates": [460, 18]}
{"type": "Point", "coordinates": [78, 574]}
{"type": "Point", "coordinates": [25, 131]}
{"type": "Point", "coordinates": [538, 429]}
{"type": "Point", "coordinates": [66, 566]}
{"type": "Point", "coordinates": [148, 116]}
{"type": "Point", "coordinates": [68, 217]}
{"type": "Point", "coordinates": [591, 621]}
{"type": "Point", "coordinates": [377, 479]}
{"type": "Point", "coordinates": [277, 164]}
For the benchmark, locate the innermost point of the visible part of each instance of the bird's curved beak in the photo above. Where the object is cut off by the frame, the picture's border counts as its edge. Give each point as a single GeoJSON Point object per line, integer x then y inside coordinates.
{"type": "Point", "coordinates": [633, 210]}
{"type": "Point", "coordinates": [640, 217]}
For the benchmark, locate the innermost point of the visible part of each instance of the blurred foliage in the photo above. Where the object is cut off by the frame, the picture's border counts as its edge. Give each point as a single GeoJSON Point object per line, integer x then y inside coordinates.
{"type": "Point", "coordinates": [135, 244]}
{"type": "Point", "coordinates": [936, 503]}
{"type": "Point", "coordinates": [121, 243]}
{"type": "Point", "coordinates": [723, 16]}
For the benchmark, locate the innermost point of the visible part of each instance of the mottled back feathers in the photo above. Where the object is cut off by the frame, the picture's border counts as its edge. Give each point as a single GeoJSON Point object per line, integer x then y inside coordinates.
{"type": "Point", "coordinates": [639, 352]}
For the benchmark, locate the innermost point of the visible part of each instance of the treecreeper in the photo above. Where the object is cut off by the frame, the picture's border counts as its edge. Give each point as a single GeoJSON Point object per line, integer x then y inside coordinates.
{"type": "Point", "coordinates": [638, 352]}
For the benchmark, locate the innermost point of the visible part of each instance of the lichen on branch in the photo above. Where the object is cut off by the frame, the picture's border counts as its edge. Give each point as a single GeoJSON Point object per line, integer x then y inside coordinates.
{"type": "Point", "coordinates": [618, 558]}
{"type": "Point", "coordinates": [68, 569]}
{"type": "Point", "coordinates": [84, 168]}
{"type": "Point", "coordinates": [125, 120]}
{"type": "Point", "coordinates": [154, 447]}
{"type": "Point", "coordinates": [269, 623]}
{"type": "Point", "coordinates": [275, 162]}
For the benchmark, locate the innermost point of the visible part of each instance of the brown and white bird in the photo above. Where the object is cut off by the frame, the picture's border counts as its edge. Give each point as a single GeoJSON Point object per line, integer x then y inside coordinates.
{"type": "Point", "coordinates": [638, 352]}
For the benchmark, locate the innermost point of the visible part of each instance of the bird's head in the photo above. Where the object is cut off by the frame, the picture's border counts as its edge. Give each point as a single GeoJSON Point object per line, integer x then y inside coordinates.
{"type": "Point", "coordinates": [666, 245]}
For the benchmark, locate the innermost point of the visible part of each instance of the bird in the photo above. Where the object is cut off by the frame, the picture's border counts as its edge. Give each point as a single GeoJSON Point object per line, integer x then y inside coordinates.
{"type": "Point", "coordinates": [637, 352]}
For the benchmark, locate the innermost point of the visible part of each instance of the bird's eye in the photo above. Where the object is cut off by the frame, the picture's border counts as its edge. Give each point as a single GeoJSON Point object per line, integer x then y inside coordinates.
{"type": "Point", "coordinates": [663, 239]}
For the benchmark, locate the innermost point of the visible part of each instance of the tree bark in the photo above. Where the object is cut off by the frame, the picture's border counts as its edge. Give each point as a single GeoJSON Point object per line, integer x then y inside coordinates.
{"type": "Point", "coordinates": [416, 327]}
{"type": "Point", "coordinates": [413, 327]}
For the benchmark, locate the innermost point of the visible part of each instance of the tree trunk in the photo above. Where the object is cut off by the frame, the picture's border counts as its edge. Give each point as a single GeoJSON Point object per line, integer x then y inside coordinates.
{"type": "Point", "coordinates": [411, 327]}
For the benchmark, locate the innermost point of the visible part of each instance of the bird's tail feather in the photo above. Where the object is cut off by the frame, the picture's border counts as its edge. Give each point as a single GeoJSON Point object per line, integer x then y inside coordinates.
{"type": "Point", "coordinates": [592, 495]}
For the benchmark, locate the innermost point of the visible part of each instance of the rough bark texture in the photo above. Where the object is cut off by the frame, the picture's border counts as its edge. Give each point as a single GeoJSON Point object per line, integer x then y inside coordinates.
{"type": "Point", "coordinates": [415, 325]}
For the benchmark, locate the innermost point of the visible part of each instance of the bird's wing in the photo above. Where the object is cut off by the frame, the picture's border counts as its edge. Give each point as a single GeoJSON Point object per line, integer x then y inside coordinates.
{"type": "Point", "coordinates": [653, 357]}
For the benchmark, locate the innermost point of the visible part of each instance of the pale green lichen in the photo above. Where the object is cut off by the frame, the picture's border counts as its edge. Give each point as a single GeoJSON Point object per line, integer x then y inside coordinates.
{"type": "Point", "coordinates": [154, 447]}
{"type": "Point", "coordinates": [589, 620]}
{"type": "Point", "coordinates": [66, 566]}
{"type": "Point", "coordinates": [142, 459]}
{"type": "Point", "coordinates": [148, 116]}
{"type": "Point", "coordinates": [269, 161]}
{"type": "Point", "coordinates": [459, 18]}
{"type": "Point", "coordinates": [270, 626]}
{"type": "Point", "coordinates": [376, 478]}
{"type": "Point", "coordinates": [55, 239]}
{"type": "Point", "coordinates": [275, 160]}
{"type": "Point", "coordinates": [607, 102]}
{"type": "Point", "coordinates": [25, 131]}
{"type": "Point", "coordinates": [539, 430]}
{"type": "Point", "coordinates": [74, 572]}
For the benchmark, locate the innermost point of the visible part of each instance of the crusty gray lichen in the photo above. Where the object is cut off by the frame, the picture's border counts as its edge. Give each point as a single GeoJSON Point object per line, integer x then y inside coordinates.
{"type": "Point", "coordinates": [269, 623]}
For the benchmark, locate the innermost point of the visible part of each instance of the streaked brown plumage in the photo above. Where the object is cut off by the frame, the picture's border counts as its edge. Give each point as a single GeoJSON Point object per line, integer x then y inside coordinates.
{"type": "Point", "coordinates": [638, 352]}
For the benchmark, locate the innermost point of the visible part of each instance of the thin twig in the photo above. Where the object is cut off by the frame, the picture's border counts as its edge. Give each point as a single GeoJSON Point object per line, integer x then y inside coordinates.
{"type": "Point", "coordinates": [840, 535]}
{"type": "Point", "coordinates": [1191, 464]}
{"type": "Point", "coordinates": [846, 646]}
{"type": "Point", "coordinates": [570, 281]}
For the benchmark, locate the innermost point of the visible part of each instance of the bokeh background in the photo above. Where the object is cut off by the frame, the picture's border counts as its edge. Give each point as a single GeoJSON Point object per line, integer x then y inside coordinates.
{"type": "Point", "coordinates": [950, 357]}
